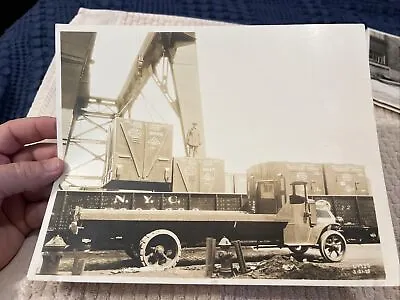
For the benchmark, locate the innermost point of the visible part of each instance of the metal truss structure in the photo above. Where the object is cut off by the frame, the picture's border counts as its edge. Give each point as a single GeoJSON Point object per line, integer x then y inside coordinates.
{"type": "Point", "coordinates": [175, 73]}
{"type": "Point", "coordinates": [87, 146]}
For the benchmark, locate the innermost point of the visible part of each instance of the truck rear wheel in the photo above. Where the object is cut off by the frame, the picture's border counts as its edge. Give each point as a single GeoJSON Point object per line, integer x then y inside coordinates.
{"type": "Point", "coordinates": [160, 248]}
{"type": "Point", "coordinates": [332, 246]}
{"type": "Point", "coordinates": [298, 249]}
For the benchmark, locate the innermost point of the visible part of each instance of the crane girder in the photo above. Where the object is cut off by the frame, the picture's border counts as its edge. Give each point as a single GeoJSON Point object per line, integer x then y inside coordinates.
{"type": "Point", "coordinates": [178, 49]}
{"type": "Point", "coordinates": [154, 47]}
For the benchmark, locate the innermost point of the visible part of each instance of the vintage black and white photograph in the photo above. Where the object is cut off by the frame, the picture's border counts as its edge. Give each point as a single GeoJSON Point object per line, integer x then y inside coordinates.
{"type": "Point", "coordinates": [217, 156]}
{"type": "Point", "coordinates": [384, 60]}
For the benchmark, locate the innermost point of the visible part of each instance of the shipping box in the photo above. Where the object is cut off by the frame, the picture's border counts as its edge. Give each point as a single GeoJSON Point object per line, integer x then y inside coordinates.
{"type": "Point", "coordinates": [198, 175]}
{"type": "Point", "coordinates": [139, 156]}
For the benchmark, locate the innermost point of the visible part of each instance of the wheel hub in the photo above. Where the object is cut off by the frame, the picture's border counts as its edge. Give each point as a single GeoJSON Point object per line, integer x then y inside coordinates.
{"type": "Point", "coordinates": [159, 249]}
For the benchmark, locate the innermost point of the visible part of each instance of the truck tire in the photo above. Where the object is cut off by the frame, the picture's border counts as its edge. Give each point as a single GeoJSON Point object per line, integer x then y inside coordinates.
{"type": "Point", "coordinates": [298, 249]}
{"type": "Point", "coordinates": [160, 248]}
{"type": "Point", "coordinates": [332, 246]}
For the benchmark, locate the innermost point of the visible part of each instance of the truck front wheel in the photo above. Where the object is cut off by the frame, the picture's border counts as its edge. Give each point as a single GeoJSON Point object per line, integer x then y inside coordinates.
{"type": "Point", "coordinates": [160, 248]}
{"type": "Point", "coordinates": [332, 246]}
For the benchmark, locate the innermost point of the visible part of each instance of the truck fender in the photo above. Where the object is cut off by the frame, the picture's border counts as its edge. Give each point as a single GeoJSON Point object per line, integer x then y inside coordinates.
{"type": "Point", "coordinates": [333, 226]}
{"type": "Point", "coordinates": [318, 230]}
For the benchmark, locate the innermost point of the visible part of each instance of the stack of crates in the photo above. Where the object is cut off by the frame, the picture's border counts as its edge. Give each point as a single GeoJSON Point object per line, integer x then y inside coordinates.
{"type": "Point", "coordinates": [198, 175]}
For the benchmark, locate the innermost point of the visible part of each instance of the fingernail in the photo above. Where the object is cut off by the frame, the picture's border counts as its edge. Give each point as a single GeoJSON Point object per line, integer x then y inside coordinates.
{"type": "Point", "coordinates": [52, 165]}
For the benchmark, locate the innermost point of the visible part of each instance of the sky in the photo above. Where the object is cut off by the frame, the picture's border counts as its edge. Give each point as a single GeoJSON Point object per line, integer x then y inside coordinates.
{"type": "Point", "coordinates": [113, 56]}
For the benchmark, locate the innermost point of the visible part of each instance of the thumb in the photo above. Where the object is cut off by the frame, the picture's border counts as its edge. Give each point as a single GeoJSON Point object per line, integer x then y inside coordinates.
{"type": "Point", "coordinates": [24, 176]}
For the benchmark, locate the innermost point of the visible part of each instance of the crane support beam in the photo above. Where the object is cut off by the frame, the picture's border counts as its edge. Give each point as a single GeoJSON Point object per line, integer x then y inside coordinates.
{"type": "Point", "coordinates": [179, 49]}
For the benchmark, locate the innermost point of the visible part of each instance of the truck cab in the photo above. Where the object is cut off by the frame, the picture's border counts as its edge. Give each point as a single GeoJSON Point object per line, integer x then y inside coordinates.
{"type": "Point", "coordinates": [270, 196]}
{"type": "Point", "coordinates": [310, 223]}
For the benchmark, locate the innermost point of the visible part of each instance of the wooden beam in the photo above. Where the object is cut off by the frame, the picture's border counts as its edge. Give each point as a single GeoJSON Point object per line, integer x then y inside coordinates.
{"type": "Point", "coordinates": [175, 216]}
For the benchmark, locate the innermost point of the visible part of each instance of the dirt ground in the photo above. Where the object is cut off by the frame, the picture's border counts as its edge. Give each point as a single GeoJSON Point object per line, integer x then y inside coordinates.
{"type": "Point", "coordinates": [360, 262]}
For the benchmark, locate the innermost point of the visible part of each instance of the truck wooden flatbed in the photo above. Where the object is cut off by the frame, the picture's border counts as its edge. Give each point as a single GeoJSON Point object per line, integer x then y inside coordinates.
{"type": "Point", "coordinates": [87, 214]}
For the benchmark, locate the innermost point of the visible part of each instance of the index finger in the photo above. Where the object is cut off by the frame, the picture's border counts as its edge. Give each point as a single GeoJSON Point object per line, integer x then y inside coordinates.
{"type": "Point", "coordinates": [15, 134]}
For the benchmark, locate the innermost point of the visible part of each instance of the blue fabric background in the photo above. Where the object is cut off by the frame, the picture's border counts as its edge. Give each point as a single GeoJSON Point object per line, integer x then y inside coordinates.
{"type": "Point", "coordinates": [27, 47]}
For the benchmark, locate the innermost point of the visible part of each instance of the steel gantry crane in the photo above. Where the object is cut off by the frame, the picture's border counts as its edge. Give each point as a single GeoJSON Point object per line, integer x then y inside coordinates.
{"type": "Point", "coordinates": [168, 58]}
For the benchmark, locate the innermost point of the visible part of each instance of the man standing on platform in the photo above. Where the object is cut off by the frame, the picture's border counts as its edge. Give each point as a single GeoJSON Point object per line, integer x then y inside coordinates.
{"type": "Point", "coordinates": [193, 140]}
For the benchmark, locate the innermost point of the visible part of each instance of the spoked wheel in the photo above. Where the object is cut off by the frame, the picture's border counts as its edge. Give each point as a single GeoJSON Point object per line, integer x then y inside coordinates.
{"type": "Point", "coordinates": [332, 246]}
{"type": "Point", "coordinates": [160, 248]}
{"type": "Point", "coordinates": [298, 249]}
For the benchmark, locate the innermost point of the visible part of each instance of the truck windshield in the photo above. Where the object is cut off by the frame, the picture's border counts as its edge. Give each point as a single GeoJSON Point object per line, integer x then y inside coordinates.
{"type": "Point", "coordinates": [322, 213]}
{"type": "Point", "coordinates": [298, 194]}
{"type": "Point", "coordinates": [300, 191]}
{"type": "Point", "coordinates": [267, 190]}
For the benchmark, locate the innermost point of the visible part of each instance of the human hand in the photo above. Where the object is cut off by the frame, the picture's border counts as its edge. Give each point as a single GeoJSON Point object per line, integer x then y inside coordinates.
{"type": "Point", "coordinates": [26, 177]}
